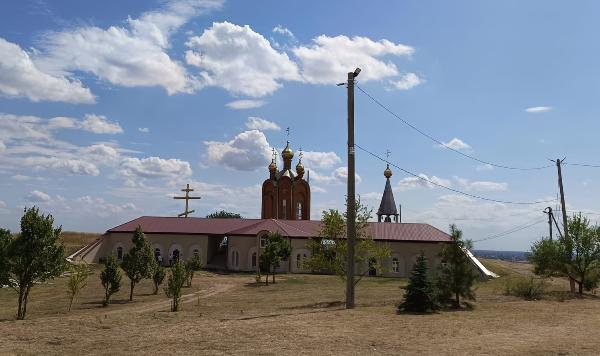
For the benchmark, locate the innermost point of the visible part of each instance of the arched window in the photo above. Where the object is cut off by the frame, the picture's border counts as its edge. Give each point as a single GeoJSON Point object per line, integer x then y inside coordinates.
{"type": "Point", "coordinates": [157, 254]}
{"type": "Point", "coordinates": [263, 242]}
{"type": "Point", "coordinates": [284, 209]}
{"type": "Point", "coordinates": [254, 260]}
{"type": "Point", "coordinates": [196, 252]}
{"type": "Point", "coordinates": [299, 211]}
{"type": "Point", "coordinates": [120, 253]}
{"type": "Point", "coordinates": [235, 259]}
{"type": "Point", "coordinates": [395, 265]}
{"type": "Point", "coordinates": [299, 261]}
{"type": "Point", "coordinates": [176, 255]}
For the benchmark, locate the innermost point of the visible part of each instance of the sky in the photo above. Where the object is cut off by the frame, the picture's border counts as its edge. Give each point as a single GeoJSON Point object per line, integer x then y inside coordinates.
{"type": "Point", "coordinates": [107, 109]}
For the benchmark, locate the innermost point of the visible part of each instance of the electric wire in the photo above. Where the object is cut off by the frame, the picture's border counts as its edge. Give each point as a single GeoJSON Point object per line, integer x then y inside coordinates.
{"type": "Point", "coordinates": [511, 231]}
{"type": "Point", "coordinates": [442, 143]}
{"type": "Point", "coordinates": [448, 188]}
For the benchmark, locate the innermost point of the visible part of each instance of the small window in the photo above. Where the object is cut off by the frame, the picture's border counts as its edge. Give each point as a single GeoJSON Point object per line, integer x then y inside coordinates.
{"type": "Point", "coordinates": [176, 255]}
{"type": "Point", "coordinates": [235, 259]}
{"type": "Point", "coordinates": [120, 253]}
{"type": "Point", "coordinates": [196, 252]}
{"type": "Point", "coordinates": [298, 261]}
{"type": "Point", "coordinates": [284, 209]}
{"type": "Point", "coordinates": [263, 242]}
{"type": "Point", "coordinates": [395, 265]}
{"type": "Point", "coordinates": [157, 254]}
{"type": "Point", "coordinates": [254, 260]}
{"type": "Point", "coordinates": [299, 211]}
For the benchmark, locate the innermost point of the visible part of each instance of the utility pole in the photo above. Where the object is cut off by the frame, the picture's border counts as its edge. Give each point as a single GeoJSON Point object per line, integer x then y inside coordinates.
{"type": "Point", "coordinates": [564, 215]}
{"type": "Point", "coordinates": [351, 199]}
{"type": "Point", "coordinates": [548, 211]}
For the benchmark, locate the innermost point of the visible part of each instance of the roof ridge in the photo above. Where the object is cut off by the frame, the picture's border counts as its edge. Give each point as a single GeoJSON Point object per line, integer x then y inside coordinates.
{"type": "Point", "coordinates": [258, 222]}
{"type": "Point", "coordinates": [297, 228]}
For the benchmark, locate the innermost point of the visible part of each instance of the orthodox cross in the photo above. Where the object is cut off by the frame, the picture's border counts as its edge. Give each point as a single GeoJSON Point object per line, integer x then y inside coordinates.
{"type": "Point", "coordinates": [288, 132]}
{"type": "Point", "coordinates": [187, 198]}
{"type": "Point", "coordinates": [273, 154]}
{"type": "Point", "coordinates": [387, 154]}
{"type": "Point", "coordinates": [300, 154]}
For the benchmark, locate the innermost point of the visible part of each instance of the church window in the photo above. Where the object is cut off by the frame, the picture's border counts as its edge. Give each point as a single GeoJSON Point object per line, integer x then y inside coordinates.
{"type": "Point", "coordinates": [176, 255]}
{"type": "Point", "coordinates": [120, 253]}
{"type": "Point", "coordinates": [196, 252]}
{"type": "Point", "coordinates": [299, 211]}
{"type": "Point", "coordinates": [157, 254]}
{"type": "Point", "coordinates": [263, 242]}
{"type": "Point", "coordinates": [284, 209]}
{"type": "Point", "coordinates": [254, 260]}
{"type": "Point", "coordinates": [395, 265]}
{"type": "Point", "coordinates": [298, 261]}
{"type": "Point", "coordinates": [235, 259]}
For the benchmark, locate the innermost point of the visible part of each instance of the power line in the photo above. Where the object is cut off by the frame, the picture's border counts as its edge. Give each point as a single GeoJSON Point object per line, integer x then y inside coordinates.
{"type": "Point", "coordinates": [511, 231]}
{"type": "Point", "coordinates": [448, 188]}
{"type": "Point", "coordinates": [442, 143]}
{"type": "Point", "coordinates": [583, 165]}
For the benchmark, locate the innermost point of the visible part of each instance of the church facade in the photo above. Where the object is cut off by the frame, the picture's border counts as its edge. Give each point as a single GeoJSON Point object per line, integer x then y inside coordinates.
{"type": "Point", "coordinates": [236, 244]}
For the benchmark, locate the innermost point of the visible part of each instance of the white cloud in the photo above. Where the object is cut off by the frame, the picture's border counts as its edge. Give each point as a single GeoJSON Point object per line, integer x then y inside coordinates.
{"type": "Point", "coordinates": [481, 186]}
{"type": "Point", "coordinates": [484, 167]}
{"type": "Point", "coordinates": [338, 176]}
{"type": "Point", "coordinates": [71, 166]}
{"type": "Point", "coordinates": [154, 167]}
{"type": "Point", "coordinates": [456, 144]}
{"type": "Point", "coordinates": [38, 196]}
{"type": "Point", "coordinates": [245, 104]}
{"type": "Point", "coordinates": [329, 59]}
{"type": "Point", "coordinates": [143, 129]}
{"type": "Point", "coordinates": [2, 146]}
{"type": "Point", "coordinates": [407, 81]}
{"type": "Point", "coordinates": [20, 77]}
{"type": "Point", "coordinates": [97, 124]}
{"type": "Point", "coordinates": [239, 60]}
{"type": "Point", "coordinates": [100, 207]}
{"type": "Point", "coordinates": [256, 123]}
{"type": "Point", "coordinates": [2, 204]}
{"type": "Point", "coordinates": [284, 31]}
{"type": "Point", "coordinates": [100, 125]}
{"type": "Point", "coordinates": [425, 182]}
{"type": "Point", "coordinates": [320, 159]}
{"type": "Point", "coordinates": [538, 109]}
{"type": "Point", "coordinates": [101, 153]}
{"type": "Point", "coordinates": [20, 177]}
{"type": "Point", "coordinates": [249, 150]}
{"type": "Point", "coordinates": [130, 56]}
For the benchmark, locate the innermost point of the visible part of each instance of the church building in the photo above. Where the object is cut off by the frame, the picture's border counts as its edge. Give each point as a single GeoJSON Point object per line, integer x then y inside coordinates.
{"type": "Point", "coordinates": [235, 244]}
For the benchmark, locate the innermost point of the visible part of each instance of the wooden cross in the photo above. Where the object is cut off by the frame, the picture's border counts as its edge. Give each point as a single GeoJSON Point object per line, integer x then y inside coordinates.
{"type": "Point", "coordinates": [187, 198]}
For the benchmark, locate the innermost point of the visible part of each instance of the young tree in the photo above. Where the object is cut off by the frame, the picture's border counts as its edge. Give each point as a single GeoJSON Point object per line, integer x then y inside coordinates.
{"type": "Point", "coordinates": [35, 255]}
{"type": "Point", "coordinates": [223, 214]}
{"type": "Point", "coordinates": [191, 266]}
{"type": "Point", "coordinates": [329, 250]}
{"type": "Point", "coordinates": [78, 275]}
{"type": "Point", "coordinates": [276, 250]}
{"type": "Point", "coordinates": [158, 277]}
{"type": "Point", "coordinates": [110, 278]}
{"type": "Point", "coordinates": [419, 295]}
{"type": "Point", "coordinates": [139, 262]}
{"type": "Point", "coordinates": [175, 281]}
{"type": "Point", "coordinates": [456, 272]}
{"type": "Point", "coordinates": [5, 241]}
{"type": "Point", "coordinates": [577, 257]}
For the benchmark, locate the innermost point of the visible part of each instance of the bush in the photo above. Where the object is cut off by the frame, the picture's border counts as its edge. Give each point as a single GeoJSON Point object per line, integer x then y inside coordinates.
{"type": "Point", "coordinates": [528, 288]}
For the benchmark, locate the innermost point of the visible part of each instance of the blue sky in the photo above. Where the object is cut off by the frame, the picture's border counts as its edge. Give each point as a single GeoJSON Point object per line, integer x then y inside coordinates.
{"type": "Point", "coordinates": [108, 108]}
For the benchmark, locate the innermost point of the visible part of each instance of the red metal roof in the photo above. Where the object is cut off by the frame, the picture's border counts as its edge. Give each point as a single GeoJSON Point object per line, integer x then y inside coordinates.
{"type": "Point", "coordinates": [291, 228]}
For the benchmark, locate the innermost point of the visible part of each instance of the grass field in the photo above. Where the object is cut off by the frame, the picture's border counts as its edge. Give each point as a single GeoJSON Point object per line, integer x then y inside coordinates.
{"type": "Point", "coordinates": [225, 314]}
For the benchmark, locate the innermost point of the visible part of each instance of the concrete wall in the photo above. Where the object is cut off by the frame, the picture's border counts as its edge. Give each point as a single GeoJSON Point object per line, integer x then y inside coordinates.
{"type": "Point", "coordinates": [167, 243]}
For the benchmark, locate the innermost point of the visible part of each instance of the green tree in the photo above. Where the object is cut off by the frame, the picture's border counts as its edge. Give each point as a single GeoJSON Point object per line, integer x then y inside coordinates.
{"type": "Point", "coordinates": [456, 273]}
{"type": "Point", "coordinates": [191, 266]}
{"type": "Point", "coordinates": [175, 282]}
{"type": "Point", "coordinates": [419, 296]}
{"type": "Point", "coordinates": [110, 278]}
{"type": "Point", "coordinates": [577, 257]}
{"type": "Point", "coordinates": [277, 249]}
{"type": "Point", "coordinates": [223, 214]}
{"type": "Point", "coordinates": [158, 277]}
{"type": "Point", "coordinates": [139, 262]}
{"type": "Point", "coordinates": [35, 255]}
{"type": "Point", "coordinates": [6, 239]}
{"type": "Point", "coordinates": [329, 250]}
{"type": "Point", "coordinates": [78, 275]}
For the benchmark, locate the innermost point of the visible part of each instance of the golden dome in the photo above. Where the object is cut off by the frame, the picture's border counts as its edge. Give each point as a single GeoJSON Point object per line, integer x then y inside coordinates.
{"type": "Point", "coordinates": [287, 152]}
{"type": "Point", "coordinates": [273, 167]}
{"type": "Point", "coordinates": [300, 168]}
{"type": "Point", "coordinates": [388, 172]}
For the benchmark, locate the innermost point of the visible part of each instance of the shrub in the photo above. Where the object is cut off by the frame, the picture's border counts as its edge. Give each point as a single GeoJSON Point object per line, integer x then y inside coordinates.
{"type": "Point", "coordinates": [528, 288]}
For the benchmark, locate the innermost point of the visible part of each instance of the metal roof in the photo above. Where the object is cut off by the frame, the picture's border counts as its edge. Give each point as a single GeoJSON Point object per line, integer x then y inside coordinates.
{"type": "Point", "coordinates": [388, 205]}
{"type": "Point", "coordinates": [289, 228]}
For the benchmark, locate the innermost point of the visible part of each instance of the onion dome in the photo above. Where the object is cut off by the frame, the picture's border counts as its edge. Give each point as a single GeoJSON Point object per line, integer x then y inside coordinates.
{"type": "Point", "coordinates": [388, 172]}
{"type": "Point", "coordinates": [273, 167]}
{"type": "Point", "coordinates": [287, 153]}
{"type": "Point", "coordinates": [300, 168]}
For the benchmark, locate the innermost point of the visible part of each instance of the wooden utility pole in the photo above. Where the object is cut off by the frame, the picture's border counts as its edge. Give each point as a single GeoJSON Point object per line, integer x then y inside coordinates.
{"type": "Point", "coordinates": [187, 198]}
{"type": "Point", "coordinates": [568, 243]}
{"type": "Point", "coordinates": [548, 211]}
{"type": "Point", "coordinates": [351, 199]}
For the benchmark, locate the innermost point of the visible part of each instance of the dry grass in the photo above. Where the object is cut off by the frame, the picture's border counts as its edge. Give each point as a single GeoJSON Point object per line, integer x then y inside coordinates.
{"type": "Point", "coordinates": [73, 241]}
{"type": "Point", "coordinates": [225, 314]}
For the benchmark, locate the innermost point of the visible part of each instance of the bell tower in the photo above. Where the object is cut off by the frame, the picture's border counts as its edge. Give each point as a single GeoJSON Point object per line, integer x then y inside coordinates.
{"type": "Point", "coordinates": [285, 194]}
{"type": "Point", "coordinates": [387, 207]}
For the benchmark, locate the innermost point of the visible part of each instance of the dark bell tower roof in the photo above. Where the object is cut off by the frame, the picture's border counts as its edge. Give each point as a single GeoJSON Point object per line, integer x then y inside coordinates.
{"type": "Point", "coordinates": [387, 207]}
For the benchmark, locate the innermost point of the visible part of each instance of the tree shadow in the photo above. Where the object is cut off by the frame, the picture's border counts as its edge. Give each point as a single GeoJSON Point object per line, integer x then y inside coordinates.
{"type": "Point", "coordinates": [317, 305]}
